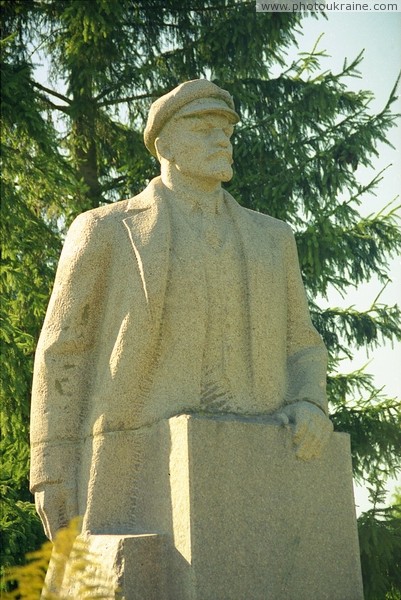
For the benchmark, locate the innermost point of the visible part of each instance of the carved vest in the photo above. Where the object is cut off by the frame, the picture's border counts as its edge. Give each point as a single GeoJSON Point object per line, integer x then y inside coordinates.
{"type": "Point", "coordinates": [207, 264]}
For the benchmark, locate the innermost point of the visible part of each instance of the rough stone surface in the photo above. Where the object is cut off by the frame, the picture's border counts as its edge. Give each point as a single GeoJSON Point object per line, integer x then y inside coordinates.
{"type": "Point", "coordinates": [248, 519]}
{"type": "Point", "coordinates": [176, 301]}
{"type": "Point", "coordinates": [252, 521]}
{"type": "Point", "coordinates": [134, 566]}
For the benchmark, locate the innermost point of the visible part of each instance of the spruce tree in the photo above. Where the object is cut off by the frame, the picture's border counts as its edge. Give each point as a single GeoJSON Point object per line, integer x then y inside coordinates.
{"type": "Point", "coordinates": [72, 140]}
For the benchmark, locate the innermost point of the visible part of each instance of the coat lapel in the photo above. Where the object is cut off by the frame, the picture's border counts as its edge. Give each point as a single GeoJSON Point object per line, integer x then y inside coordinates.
{"type": "Point", "coordinates": [258, 246]}
{"type": "Point", "coordinates": [148, 226]}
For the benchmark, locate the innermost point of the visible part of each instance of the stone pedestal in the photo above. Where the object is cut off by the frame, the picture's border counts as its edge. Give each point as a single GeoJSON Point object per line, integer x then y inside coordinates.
{"type": "Point", "coordinates": [252, 521]}
{"type": "Point", "coordinates": [248, 521]}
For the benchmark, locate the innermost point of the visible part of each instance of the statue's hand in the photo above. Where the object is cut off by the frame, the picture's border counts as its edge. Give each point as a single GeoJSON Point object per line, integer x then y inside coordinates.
{"type": "Point", "coordinates": [312, 429]}
{"type": "Point", "coordinates": [56, 505]}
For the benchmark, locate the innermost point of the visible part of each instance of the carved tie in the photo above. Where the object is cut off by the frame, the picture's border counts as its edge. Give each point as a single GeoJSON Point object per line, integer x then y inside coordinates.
{"type": "Point", "coordinates": [212, 230]}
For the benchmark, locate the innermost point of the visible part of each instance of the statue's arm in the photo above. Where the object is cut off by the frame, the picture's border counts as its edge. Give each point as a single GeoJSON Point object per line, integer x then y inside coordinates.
{"type": "Point", "coordinates": [63, 371]}
{"type": "Point", "coordinates": [306, 400]}
{"type": "Point", "coordinates": [306, 353]}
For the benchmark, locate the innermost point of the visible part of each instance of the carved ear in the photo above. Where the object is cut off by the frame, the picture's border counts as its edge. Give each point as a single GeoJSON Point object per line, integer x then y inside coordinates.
{"type": "Point", "coordinates": [164, 149]}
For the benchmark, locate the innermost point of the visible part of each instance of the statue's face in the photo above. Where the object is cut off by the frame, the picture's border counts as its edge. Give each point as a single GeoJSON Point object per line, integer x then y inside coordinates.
{"type": "Point", "coordinates": [200, 146]}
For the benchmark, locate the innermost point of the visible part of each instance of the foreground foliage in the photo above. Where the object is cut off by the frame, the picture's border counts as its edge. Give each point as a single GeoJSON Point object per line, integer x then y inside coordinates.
{"type": "Point", "coordinates": [71, 559]}
{"type": "Point", "coordinates": [72, 140]}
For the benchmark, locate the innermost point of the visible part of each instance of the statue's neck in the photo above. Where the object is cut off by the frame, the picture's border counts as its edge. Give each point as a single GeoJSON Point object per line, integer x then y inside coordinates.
{"type": "Point", "coordinates": [199, 194]}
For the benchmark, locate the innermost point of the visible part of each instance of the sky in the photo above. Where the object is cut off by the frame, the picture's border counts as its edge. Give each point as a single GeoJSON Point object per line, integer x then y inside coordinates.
{"type": "Point", "coordinates": [378, 34]}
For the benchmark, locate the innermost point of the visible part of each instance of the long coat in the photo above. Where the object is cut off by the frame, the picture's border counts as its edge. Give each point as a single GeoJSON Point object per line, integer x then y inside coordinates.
{"type": "Point", "coordinates": [99, 343]}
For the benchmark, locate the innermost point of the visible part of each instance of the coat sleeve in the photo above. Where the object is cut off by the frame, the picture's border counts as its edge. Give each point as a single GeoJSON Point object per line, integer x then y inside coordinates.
{"type": "Point", "coordinates": [65, 354]}
{"type": "Point", "coordinates": [306, 353]}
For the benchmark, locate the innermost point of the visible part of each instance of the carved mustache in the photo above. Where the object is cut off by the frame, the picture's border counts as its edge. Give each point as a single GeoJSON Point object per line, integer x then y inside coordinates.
{"type": "Point", "coordinates": [222, 154]}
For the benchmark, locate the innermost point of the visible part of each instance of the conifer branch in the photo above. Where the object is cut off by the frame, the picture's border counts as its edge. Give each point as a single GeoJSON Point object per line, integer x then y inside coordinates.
{"type": "Point", "coordinates": [43, 88]}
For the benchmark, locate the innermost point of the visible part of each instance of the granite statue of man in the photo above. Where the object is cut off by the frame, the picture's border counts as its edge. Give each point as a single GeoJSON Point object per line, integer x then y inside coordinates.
{"type": "Point", "coordinates": [175, 301]}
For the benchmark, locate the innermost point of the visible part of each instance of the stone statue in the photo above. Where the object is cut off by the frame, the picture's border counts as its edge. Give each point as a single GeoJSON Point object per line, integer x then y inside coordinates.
{"type": "Point", "coordinates": [175, 301]}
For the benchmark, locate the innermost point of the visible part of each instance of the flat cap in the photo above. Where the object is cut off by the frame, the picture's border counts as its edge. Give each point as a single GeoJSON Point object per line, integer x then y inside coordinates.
{"type": "Point", "coordinates": [191, 97]}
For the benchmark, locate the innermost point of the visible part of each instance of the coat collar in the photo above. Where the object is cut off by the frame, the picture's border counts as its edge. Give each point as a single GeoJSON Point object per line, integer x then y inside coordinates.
{"type": "Point", "coordinates": [148, 224]}
{"type": "Point", "coordinates": [146, 199]}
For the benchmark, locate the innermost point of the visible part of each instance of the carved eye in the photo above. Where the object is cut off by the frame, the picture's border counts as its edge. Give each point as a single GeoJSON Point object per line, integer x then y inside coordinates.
{"type": "Point", "coordinates": [202, 129]}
